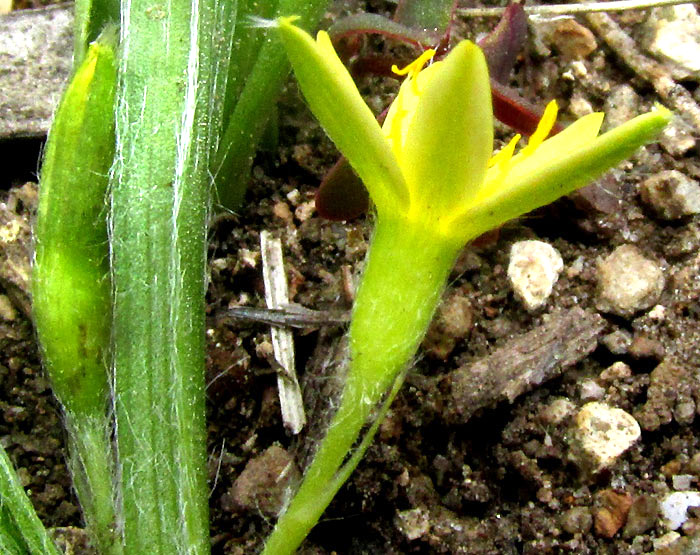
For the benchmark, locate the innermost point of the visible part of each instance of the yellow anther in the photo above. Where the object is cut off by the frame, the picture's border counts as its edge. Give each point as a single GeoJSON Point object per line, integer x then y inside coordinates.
{"type": "Point", "coordinates": [505, 154]}
{"type": "Point", "coordinates": [416, 65]}
{"type": "Point", "coordinates": [544, 127]}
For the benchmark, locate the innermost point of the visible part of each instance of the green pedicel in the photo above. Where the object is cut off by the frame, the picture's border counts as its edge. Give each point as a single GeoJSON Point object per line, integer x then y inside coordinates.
{"type": "Point", "coordinates": [436, 185]}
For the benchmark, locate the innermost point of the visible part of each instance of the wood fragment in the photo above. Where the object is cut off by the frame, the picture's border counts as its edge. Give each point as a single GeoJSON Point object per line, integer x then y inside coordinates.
{"type": "Point", "coordinates": [524, 363]}
{"type": "Point", "coordinates": [277, 295]}
{"type": "Point", "coordinates": [572, 9]}
{"type": "Point", "coordinates": [677, 97]}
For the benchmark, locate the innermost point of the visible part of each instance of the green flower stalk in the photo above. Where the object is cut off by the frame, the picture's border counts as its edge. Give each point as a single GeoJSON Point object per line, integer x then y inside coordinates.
{"type": "Point", "coordinates": [435, 183]}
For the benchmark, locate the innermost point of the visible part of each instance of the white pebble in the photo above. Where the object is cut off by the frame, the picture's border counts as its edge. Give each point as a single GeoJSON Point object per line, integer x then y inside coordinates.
{"type": "Point", "coordinates": [628, 282]}
{"type": "Point", "coordinates": [674, 507]}
{"type": "Point", "coordinates": [533, 270]}
{"type": "Point", "coordinates": [602, 434]}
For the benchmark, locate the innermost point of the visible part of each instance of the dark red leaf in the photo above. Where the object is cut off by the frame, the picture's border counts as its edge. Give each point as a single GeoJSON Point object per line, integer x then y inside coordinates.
{"type": "Point", "coordinates": [341, 195]}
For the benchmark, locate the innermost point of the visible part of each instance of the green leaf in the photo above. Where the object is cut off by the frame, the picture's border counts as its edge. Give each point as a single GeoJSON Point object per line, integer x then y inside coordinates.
{"type": "Point", "coordinates": [21, 531]}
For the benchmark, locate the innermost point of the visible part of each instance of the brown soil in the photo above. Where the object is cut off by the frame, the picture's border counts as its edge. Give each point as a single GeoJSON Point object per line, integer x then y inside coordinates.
{"type": "Point", "coordinates": [503, 481]}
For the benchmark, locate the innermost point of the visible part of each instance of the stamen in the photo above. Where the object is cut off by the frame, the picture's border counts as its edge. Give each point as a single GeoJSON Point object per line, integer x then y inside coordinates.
{"type": "Point", "coordinates": [505, 154]}
{"type": "Point", "coordinates": [544, 127]}
{"type": "Point", "coordinates": [416, 65]}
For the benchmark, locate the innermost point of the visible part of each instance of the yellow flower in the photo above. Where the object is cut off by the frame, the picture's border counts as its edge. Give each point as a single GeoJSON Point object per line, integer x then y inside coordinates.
{"type": "Point", "coordinates": [432, 162]}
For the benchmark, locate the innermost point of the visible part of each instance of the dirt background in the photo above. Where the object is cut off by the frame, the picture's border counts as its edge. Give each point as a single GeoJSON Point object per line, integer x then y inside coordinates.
{"type": "Point", "coordinates": [507, 478]}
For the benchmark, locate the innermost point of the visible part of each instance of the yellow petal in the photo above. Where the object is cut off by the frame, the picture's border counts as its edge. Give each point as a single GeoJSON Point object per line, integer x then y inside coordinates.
{"type": "Point", "coordinates": [568, 165]}
{"type": "Point", "coordinates": [335, 101]}
{"type": "Point", "coordinates": [578, 135]}
{"type": "Point", "coordinates": [449, 139]}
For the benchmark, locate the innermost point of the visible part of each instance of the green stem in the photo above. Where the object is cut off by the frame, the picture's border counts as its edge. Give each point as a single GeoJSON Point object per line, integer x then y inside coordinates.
{"type": "Point", "coordinates": [92, 467]}
{"type": "Point", "coordinates": [172, 84]}
{"type": "Point", "coordinates": [406, 272]}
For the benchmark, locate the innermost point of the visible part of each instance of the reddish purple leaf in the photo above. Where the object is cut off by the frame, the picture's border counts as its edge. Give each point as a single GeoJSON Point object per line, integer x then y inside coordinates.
{"type": "Point", "coordinates": [503, 45]}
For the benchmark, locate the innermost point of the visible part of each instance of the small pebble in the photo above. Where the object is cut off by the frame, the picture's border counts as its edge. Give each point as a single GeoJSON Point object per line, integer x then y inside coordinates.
{"type": "Point", "coordinates": [453, 322]}
{"type": "Point", "coordinates": [413, 523]}
{"type": "Point", "coordinates": [569, 37]}
{"type": "Point", "coordinates": [642, 516]}
{"type": "Point", "coordinates": [589, 390]}
{"type": "Point", "coordinates": [674, 507]}
{"type": "Point", "coordinates": [614, 372]}
{"type": "Point", "coordinates": [694, 464]}
{"type": "Point", "coordinates": [665, 542]}
{"type": "Point", "coordinates": [621, 105]}
{"type": "Point", "coordinates": [682, 481]}
{"type": "Point", "coordinates": [7, 311]}
{"type": "Point", "coordinates": [628, 282]}
{"type": "Point", "coordinates": [643, 346]}
{"type": "Point", "coordinates": [579, 105]}
{"type": "Point", "coordinates": [265, 483]}
{"type": "Point", "coordinates": [577, 520]}
{"type": "Point", "coordinates": [602, 433]}
{"type": "Point", "coordinates": [671, 194]}
{"type": "Point", "coordinates": [294, 196]}
{"type": "Point", "coordinates": [305, 210]}
{"type": "Point", "coordinates": [669, 396]}
{"type": "Point", "coordinates": [281, 210]}
{"type": "Point", "coordinates": [618, 341]}
{"type": "Point", "coordinates": [611, 513]}
{"type": "Point", "coordinates": [677, 138]}
{"type": "Point", "coordinates": [556, 412]}
{"type": "Point", "coordinates": [533, 270]}
{"type": "Point", "coordinates": [658, 313]}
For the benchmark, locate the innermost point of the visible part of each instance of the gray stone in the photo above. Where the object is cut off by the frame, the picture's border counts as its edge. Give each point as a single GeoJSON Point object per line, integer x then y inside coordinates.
{"type": "Point", "coordinates": [35, 61]}
{"type": "Point", "coordinates": [641, 517]}
{"type": "Point", "coordinates": [621, 105]}
{"type": "Point", "coordinates": [577, 520]}
{"type": "Point", "coordinates": [671, 194]}
{"type": "Point", "coordinates": [628, 282]}
{"type": "Point", "coordinates": [675, 32]}
{"type": "Point", "coordinates": [678, 137]}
